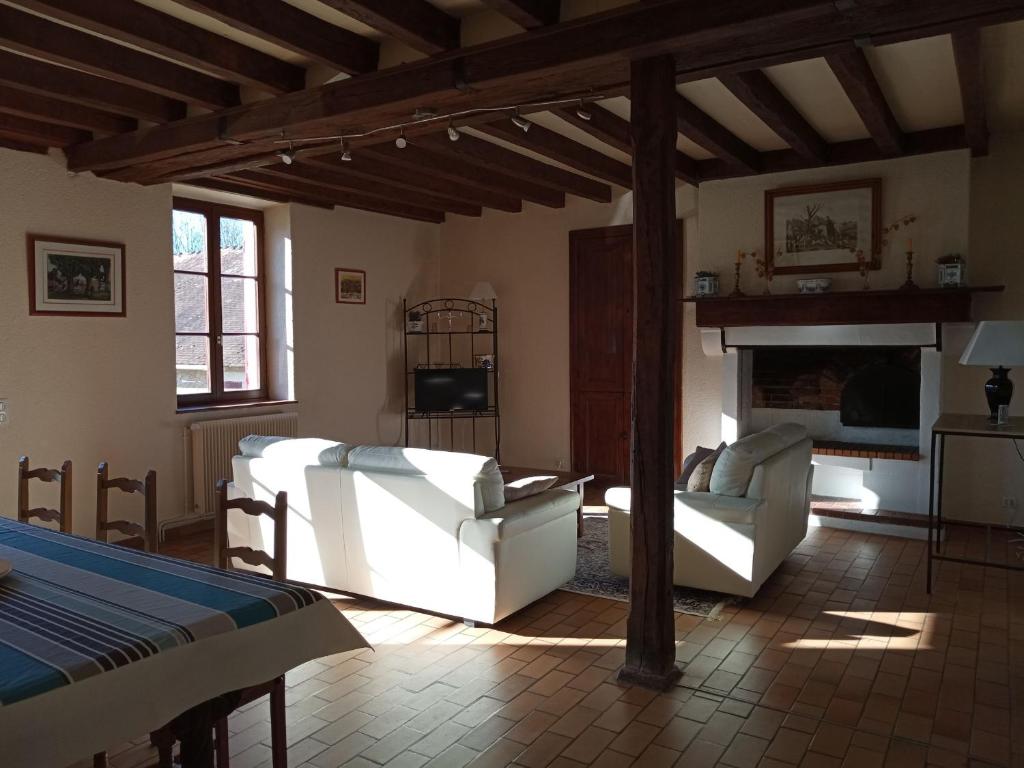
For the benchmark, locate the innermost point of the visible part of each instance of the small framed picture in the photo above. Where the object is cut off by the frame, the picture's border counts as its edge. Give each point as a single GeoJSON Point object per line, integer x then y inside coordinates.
{"type": "Point", "coordinates": [350, 286]}
{"type": "Point", "coordinates": [75, 277]}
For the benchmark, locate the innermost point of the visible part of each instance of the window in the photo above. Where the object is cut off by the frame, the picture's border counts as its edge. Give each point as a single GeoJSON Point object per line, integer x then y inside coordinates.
{"type": "Point", "coordinates": [220, 343]}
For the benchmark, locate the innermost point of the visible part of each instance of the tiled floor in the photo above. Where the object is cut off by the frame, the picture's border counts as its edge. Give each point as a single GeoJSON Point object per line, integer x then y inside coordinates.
{"type": "Point", "coordinates": [841, 660]}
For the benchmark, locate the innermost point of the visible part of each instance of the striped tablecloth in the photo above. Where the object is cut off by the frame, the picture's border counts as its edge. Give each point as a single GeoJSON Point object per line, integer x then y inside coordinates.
{"type": "Point", "coordinates": [100, 644]}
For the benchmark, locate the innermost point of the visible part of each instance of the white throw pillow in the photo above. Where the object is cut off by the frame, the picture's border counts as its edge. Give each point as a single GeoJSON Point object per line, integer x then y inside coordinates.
{"type": "Point", "coordinates": [528, 486]}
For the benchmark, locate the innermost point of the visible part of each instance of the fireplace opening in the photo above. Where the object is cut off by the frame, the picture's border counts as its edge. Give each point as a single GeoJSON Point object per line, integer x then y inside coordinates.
{"type": "Point", "coordinates": [882, 394]}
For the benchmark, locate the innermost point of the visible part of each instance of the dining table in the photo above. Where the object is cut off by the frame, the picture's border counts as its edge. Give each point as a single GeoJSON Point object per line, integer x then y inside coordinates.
{"type": "Point", "coordinates": [101, 644]}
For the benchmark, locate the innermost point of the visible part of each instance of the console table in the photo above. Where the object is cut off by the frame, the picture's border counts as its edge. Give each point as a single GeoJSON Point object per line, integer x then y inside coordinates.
{"type": "Point", "coordinates": [569, 481]}
{"type": "Point", "coordinates": [959, 425]}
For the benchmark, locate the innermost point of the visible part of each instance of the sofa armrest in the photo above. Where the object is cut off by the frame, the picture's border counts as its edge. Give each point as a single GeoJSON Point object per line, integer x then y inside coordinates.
{"type": "Point", "coordinates": [726, 509]}
{"type": "Point", "coordinates": [532, 512]}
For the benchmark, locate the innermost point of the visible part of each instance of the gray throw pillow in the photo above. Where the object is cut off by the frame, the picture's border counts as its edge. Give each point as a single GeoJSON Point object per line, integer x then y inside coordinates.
{"type": "Point", "coordinates": [690, 463]}
{"type": "Point", "coordinates": [700, 478]}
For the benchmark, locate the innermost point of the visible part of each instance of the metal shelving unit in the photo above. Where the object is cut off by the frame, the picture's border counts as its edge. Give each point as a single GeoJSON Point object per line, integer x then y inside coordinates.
{"type": "Point", "coordinates": [448, 321]}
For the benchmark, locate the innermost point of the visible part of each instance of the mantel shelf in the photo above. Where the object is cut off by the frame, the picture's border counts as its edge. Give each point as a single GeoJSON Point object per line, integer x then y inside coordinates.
{"type": "Point", "coordinates": [923, 305]}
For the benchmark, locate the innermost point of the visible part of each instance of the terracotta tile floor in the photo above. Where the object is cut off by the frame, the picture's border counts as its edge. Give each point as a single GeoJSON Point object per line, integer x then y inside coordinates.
{"type": "Point", "coordinates": [841, 660]}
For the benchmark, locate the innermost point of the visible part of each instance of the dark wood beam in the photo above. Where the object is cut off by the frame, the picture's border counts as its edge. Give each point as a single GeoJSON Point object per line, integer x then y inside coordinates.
{"type": "Point", "coordinates": [853, 71]}
{"type": "Point", "coordinates": [494, 158]}
{"type": "Point", "coordinates": [337, 178]}
{"type": "Point", "coordinates": [657, 274]}
{"type": "Point", "coordinates": [529, 14]}
{"type": "Point", "coordinates": [706, 132]}
{"type": "Point", "coordinates": [760, 96]}
{"type": "Point", "coordinates": [262, 180]}
{"type": "Point", "coordinates": [235, 188]}
{"type": "Point", "coordinates": [611, 129]}
{"type": "Point", "coordinates": [454, 169]}
{"type": "Point", "coordinates": [22, 146]}
{"type": "Point", "coordinates": [571, 60]}
{"type": "Point", "coordinates": [416, 23]}
{"type": "Point", "coordinates": [25, 33]}
{"type": "Point", "coordinates": [57, 112]}
{"type": "Point", "coordinates": [285, 25]}
{"type": "Point", "coordinates": [970, 73]}
{"type": "Point", "coordinates": [71, 85]}
{"type": "Point", "coordinates": [36, 132]}
{"type": "Point", "coordinates": [563, 150]}
{"type": "Point", "coordinates": [168, 36]}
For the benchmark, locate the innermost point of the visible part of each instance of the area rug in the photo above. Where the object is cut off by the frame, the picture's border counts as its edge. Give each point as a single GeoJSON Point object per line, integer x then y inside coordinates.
{"type": "Point", "coordinates": [594, 577]}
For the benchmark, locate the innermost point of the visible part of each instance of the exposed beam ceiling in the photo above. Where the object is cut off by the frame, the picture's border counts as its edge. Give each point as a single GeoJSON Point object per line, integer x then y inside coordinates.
{"type": "Point", "coordinates": [761, 97]}
{"type": "Point", "coordinates": [36, 132]}
{"type": "Point", "coordinates": [25, 33]}
{"type": "Point", "coordinates": [50, 110]}
{"type": "Point", "coordinates": [708, 133]}
{"type": "Point", "coordinates": [528, 14]}
{"type": "Point", "coordinates": [236, 188]}
{"type": "Point", "coordinates": [970, 73]}
{"type": "Point", "coordinates": [557, 147]}
{"type": "Point", "coordinates": [853, 71]}
{"type": "Point", "coordinates": [160, 33]}
{"type": "Point", "coordinates": [22, 146]}
{"type": "Point", "coordinates": [416, 23]}
{"type": "Point", "coordinates": [68, 84]}
{"type": "Point", "coordinates": [285, 25]}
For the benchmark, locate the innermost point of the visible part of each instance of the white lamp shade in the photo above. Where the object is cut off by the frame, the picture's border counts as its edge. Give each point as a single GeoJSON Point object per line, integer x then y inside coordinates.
{"type": "Point", "coordinates": [996, 344]}
{"type": "Point", "coordinates": [483, 291]}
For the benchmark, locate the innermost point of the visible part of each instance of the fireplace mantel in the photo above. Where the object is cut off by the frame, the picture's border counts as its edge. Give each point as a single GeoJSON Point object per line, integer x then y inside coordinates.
{"type": "Point", "coordinates": [925, 305]}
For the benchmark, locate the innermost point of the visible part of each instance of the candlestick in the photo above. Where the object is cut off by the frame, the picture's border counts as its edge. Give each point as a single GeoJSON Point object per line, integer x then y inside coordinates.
{"type": "Point", "coordinates": [736, 288]}
{"type": "Point", "coordinates": [910, 285]}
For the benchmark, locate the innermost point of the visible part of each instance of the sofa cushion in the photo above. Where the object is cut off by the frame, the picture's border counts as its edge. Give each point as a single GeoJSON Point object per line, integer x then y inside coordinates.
{"type": "Point", "coordinates": [482, 470]}
{"type": "Point", "coordinates": [306, 451]}
{"type": "Point", "coordinates": [528, 486]}
{"type": "Point", "coordinates": [732, 472]}
{"type": "Point", "coordinates": [700, 479]}
{"type": "Point", "coordinates": [690, 463]}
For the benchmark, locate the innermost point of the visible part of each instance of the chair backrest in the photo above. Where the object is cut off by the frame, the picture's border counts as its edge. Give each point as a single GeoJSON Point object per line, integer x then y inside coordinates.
{"type": "Point", "coordinates": [147, 531]}
{"type": "Point", "coordinates": [278, 512]}
{"type": "Point", "coordinates": [61, 515]}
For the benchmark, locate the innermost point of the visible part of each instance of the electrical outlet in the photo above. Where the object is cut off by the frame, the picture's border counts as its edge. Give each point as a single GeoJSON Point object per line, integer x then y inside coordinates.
{"type": "Point", "coordinates": [1009, 502]}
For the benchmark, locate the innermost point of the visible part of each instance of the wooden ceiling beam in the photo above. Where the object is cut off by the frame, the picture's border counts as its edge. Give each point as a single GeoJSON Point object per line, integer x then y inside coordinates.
{"type": "Point", "coordinates": [236, 188]}
{"type": "Point", "coordinates": [971, 76]}
{"type": "Point", "coordinates": [57, 112]}
{"type": "Point", "coordinates": [262, 180]}
{"type": "Point", "coordinates": [22, 146]}
{"type": "Point", "coordinates": [416, 23]}
{"type": "Point", "coordinates": [168, 36]}
{"type": "Point", "coordinates": [758, 94]}
{"type": "Point", "coordinates": [37, 132]}
{"type": "Point", "coordinates": [703, 130]}
{"type": "Point", "coordinates": [615, 132]}
{"type": "Point", "coordinates": [557, 147]}
{"type": "Point", "coordinates": [445, 167]}
{"type": "Point", "coordinates": [39, 77]}
{"type": "Point", "coordinates": [285, 25]}
{"type": "Point", "coordinates": [492, 157]}
{"type": "Point", "coordinates": [529, 14]}
{"type": "Point", "coordinates": [568, 60]}
{"type": "Point", "coordinates": [853, 71]}
{"type": "Point", "coordinates": [28, 34]}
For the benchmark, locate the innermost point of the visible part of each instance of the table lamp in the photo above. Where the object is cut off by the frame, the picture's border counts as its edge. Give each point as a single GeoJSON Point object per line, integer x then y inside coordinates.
{"type": "Point", "coordinates": [998, 345]}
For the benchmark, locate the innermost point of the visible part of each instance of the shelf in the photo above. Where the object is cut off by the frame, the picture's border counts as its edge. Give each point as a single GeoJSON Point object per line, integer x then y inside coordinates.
{"type": "Point", "coordinates": [488, 414]}
{"type": "Point", "coordinates": [449, 333]}
{"type": "Point", "coordinates": [924, 305]}
{"type": "Point", "coordinates": [489, 370]}
{"type": "Point", "coordinates": [866, 451]}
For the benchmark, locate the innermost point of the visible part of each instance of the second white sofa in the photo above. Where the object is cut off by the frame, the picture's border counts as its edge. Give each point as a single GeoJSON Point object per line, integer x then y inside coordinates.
{"type": "Point", "coordinates": [422, 528]}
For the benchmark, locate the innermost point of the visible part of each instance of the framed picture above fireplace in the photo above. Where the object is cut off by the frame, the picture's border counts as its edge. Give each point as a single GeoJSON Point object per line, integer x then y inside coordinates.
{"type": "Point", "coordinates": [821, 227]}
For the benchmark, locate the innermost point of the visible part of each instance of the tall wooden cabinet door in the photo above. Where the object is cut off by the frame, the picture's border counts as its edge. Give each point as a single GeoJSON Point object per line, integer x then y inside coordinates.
{"type": "Point", "coordinates": [601, 350]}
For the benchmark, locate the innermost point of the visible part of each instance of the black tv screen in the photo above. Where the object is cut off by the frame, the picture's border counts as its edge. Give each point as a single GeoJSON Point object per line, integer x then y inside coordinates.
{"type": "Point", "coordinates": [451, 389]}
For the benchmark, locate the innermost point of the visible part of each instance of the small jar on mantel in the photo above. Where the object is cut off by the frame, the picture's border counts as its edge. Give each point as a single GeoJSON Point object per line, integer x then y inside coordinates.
{"type": "Point", "coordinates": [705, 284]}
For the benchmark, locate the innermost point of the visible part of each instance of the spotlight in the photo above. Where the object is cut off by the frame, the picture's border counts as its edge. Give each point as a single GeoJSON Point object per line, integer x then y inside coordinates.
{"type": "Point", "coordinates": [582, 112]}
{"type": "Point", "coordinates": [401, 142]}
{"type": "Point", "coordinates": [346, 153]}
{"type": "Point", "coordinates": [521, 122]}
{"type": "Point", "coordinates": [453, 132]}
{"type": "Point", "coordinates": [287, 155]}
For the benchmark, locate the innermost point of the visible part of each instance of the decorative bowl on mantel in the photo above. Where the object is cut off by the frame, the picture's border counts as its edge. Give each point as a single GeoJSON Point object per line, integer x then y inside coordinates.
{"type": "Point", "coordinates": [814, 285]}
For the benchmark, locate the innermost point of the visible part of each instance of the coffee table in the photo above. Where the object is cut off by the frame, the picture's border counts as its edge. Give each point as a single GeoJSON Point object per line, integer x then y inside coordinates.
{"type": "Point", "coordinates": [569, 481]}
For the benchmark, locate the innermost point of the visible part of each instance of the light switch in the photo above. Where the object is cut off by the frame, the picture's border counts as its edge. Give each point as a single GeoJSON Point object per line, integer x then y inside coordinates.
{"type": "Point", "coordinates": [3, 410]}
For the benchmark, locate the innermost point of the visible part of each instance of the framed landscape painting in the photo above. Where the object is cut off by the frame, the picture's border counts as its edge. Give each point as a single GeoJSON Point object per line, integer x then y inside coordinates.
{"type": "Point", "coordinates": [75, 277]}
{"type": "Point", "coordinates": [820, 228]}
{"type": "Point", "coordinates": [350, 286]}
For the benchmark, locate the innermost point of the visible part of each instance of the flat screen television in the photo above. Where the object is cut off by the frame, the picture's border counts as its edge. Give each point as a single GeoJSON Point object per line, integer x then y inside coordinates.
{"type": "Point", "coordinates": [451, 389]}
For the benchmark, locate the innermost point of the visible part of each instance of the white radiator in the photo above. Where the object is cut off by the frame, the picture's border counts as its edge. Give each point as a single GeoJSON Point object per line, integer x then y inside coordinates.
{"type": "Point", "coordinates": [209, 446]}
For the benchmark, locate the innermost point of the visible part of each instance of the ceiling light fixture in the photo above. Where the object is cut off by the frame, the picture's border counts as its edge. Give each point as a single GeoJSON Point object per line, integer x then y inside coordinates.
{"type": "Point", "coordinates": [346, 153]}
{"type": "Point", "coordinates": [401, 142]}
{"type": "Point", "coordinates": [287, 155]}
{"type": "Point", "coordinates": [453, 132]}
{"type": "Point", "coordinates": [582, 112]}
{"type": "Point", "coordinates": [520, 121]}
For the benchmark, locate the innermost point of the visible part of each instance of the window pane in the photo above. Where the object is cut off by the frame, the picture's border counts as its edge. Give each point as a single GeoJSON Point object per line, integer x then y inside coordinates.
{"type": "Point", "coordinates": [191, 313]}
{"type": "Point", "coordinates": [241, 363]}
{"type": "Point", "coordinates": [239, 305]}
{"type": "Point", "coordinates": [237, 247]}
{"type": "Point", "coordinates": [192, 360]}
{"type": "Point", "coordinates": [188, 238]}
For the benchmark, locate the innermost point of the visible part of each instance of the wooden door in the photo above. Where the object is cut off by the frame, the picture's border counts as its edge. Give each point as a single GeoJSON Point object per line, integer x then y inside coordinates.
{"type": "Point", "coordinates": [601, 352]}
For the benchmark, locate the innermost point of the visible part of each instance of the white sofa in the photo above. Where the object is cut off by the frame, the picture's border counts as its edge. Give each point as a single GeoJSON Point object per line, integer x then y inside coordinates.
{"type": "Point", "coordinates": [732, 539]}
{"type": "Point", "coordinates": [421, 528]}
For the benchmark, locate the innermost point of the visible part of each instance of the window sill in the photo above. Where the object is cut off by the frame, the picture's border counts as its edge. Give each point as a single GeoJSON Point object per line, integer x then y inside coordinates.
{"type": "Point", "coordinates": [241, 404]}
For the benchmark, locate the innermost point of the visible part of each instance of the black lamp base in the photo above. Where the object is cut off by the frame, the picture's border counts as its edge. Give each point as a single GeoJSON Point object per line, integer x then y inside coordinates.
{"type": "Point", "coordinates": [998, 391]}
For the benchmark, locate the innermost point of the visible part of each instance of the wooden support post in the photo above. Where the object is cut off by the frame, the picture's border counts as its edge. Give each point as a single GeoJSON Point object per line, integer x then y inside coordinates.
{"type": "Point", "coordinates": [650, 630]}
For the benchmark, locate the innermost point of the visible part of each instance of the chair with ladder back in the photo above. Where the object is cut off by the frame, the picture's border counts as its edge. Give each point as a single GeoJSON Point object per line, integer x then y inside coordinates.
{"type": "Point", "coordinates": [61, 515]}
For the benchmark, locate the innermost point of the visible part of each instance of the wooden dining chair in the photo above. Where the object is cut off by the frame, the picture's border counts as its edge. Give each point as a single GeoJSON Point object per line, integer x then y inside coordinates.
{"type": "Point", "coordinates": [61, 515]}
{"type": "Point", "coordinates": [147, 531]}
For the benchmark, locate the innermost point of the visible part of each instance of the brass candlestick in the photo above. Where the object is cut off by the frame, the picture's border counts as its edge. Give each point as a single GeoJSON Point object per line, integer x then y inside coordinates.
{"type": "Point", "coordinates": [739, 263]}
{"type": "Point", "coordinates": [910, 285]}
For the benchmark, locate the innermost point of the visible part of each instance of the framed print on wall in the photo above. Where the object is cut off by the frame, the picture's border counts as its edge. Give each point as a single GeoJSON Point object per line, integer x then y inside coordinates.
{"type": "Point", "coordinates": [349, 286]}
{"type": "Point", "coordinates": [821, 227]}
{"type": "Point", "coordinates": [75, 277]}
